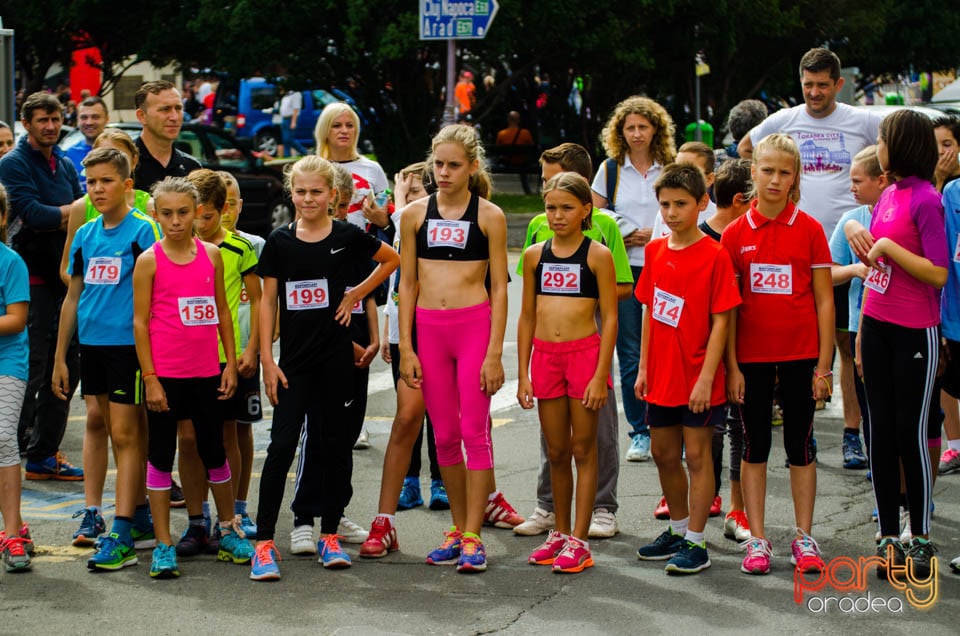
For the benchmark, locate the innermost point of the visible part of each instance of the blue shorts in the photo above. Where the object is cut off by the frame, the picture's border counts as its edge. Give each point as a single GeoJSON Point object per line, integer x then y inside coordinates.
{"type": "Point", "coordinates": [663, 416]}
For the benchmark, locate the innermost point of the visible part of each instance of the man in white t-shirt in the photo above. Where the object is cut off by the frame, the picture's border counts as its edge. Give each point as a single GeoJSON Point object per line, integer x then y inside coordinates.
{"type": "Point", "coordinates": [828, 135]}
{"type": "Point", "coordinates": [290, 106]}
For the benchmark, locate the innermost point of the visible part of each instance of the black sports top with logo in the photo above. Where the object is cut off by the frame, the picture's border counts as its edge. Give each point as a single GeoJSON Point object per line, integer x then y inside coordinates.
{"type": "Point", "coordinates": [440, 239]}
{"type": "Point", "coordinates": [569, 276]}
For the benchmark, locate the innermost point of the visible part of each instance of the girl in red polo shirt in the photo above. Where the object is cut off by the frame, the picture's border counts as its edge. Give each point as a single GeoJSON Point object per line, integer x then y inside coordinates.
{"type": "Point", "coordinates": [783, 330]}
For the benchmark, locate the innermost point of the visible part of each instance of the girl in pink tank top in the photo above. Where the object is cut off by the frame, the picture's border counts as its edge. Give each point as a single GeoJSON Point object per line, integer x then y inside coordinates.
{"type": "Point", "coordinates": [179, 308]}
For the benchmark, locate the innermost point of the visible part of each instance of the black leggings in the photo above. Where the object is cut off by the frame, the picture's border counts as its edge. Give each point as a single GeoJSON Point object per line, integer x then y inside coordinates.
{"type": "Point", "coordinates": [899, 370]}
{"type": "Point", "coordinates": [796, 398]}
{"type": "Point", "coordinates": [324, 398]}
{"type": "Point", "coordinates": [193, 399]}
{"type": "Point", "coordinates": [732, 425]}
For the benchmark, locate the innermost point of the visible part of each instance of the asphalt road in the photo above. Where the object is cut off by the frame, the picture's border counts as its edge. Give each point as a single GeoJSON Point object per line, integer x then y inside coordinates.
{"type": "Point", "coordinates": [402, 595]}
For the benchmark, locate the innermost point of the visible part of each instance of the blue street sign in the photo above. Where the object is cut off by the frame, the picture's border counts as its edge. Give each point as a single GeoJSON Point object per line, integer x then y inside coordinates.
{"type": "Point", "coordinates": [456, 19]}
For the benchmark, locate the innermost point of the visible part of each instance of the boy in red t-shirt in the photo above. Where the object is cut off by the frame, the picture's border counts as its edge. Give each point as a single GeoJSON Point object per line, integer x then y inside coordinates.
{"type": "Point", "coordinates": [688, 290]}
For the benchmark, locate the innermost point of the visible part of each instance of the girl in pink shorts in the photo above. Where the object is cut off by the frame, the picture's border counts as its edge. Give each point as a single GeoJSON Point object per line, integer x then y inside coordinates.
{"type": "Point", "coordinates": [566, 280]}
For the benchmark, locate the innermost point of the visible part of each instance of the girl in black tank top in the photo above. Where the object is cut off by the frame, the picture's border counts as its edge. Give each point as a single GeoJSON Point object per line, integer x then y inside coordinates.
{"type": "Point", "coordinates": [441, 239]}
{"type": "Point", "coordinates": [569, 276]}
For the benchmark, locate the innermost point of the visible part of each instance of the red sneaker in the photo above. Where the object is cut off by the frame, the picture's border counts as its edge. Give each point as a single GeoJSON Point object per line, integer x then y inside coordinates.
{"type": "Point", "coordinates": [382, 539]}
{"type": "Point", "coordinates": [662, 511]}
{"type": "Point", "coordinates": [501, 514]}
{"type": "Point", "coordinates": [716, 509]}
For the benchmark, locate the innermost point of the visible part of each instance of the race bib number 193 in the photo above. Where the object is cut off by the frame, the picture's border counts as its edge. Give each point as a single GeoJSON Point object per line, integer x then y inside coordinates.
{"type": "Point", "coordinates": [442, 233]}
{"type": "Point", "coordinates": [771, 279]}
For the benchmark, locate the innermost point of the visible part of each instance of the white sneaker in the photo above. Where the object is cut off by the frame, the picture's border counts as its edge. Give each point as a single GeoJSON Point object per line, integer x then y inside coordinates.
{"type": "Point", "coordinates": [363, 441]}
{"type": "Point", "coordinates": [350, 532]}
{"type": "Point", "coordinates": [639, 450]}
{"type": "Point", "coordinates": [301, 540]}
{"type": "Point", "coordinates": [603, 525]}
{"type": "Point", "coordinates": [539, 522]}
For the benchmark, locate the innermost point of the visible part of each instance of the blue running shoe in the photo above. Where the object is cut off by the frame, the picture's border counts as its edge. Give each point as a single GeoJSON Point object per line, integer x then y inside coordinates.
{"type": "Point", "coordinates": [92, 526]}
{"type": "Point", "coordinates": [234, 548]}
{"type": "Point", "coordinates": [143, 538]}
{"type": "Point", "coordinates": [639, 450]}
{"type": "Point", "coordinates": [248, 526]}
{"type": "Point", "coordinates": [53, 467]}
{"type": "Point", "coordinates": [112, 554]}
{"type": "Point", "coordinates": [691, 558]}
{"type": "Point", "coordinates": [263, 566]}
{"type": "Point", "coordinates": [438, 496]}
{"type": "Point", "coordinates": [473, 556]}
{"type": "Point", "coordinates": [164, 563]}
{"type": "Point", "coordinates": [331, 554]}
{"type": "Point", "coordinates": [852, 449]}
{"type": "Point", "coordinates": [193, 541]}
{"type": "Point", "coordinates": [664, 547]}
{"type": "Point", "coordinates": [410, 494]}
{"type": "Point", "coordinates": [449, 551]}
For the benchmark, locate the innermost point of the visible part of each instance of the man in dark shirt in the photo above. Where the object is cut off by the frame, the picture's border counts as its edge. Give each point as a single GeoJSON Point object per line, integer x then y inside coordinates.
{"type": "Point", "coordinates": [42, 184]}
{"type": "Point", "coordinates": [160, 110]}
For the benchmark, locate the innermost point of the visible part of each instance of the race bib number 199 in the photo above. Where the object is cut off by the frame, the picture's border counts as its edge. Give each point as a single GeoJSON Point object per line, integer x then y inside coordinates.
{"type": "Point", "coordinates": [442, 233]}
{"type": "Point", "coordinates": [103, 270]}
{"type": "Point", "coordinates": [198, 310]}
{"type": "Point", "coordinates": [307, 294]}
{"type": "Point", "coordinates": [560, 278]}
{"type": "Point", "coordinates": [666, 307]}
{"type": "Point", "coordinates": [771, 279]}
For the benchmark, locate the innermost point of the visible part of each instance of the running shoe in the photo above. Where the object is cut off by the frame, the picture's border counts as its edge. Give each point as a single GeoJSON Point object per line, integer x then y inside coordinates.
{"type": "Point", "coordinates": [143, 538]}
{"type": "Point", "coordinates": [547, 551]}
{"type": "Point", "coordinates": [410, 494]}
{"type": "Point", "coordinates": [890, 549]}
{"type": "Point", "coordinates": [234, 548]}
{"type": "Point", "coordinates": [716, 508]}
{"type": "Point", "coordinates": [382, 539]}
{"type": "Point", "coordinates": [662, 511]}
{"type": "Point", "coordinates": [805, 553]}
{"type": "Point", "coordinates": [53, 467]}
{"type": "Point", "coordinates": [349, 532]}
{"type": "Point", "coordinates": [758, 556]}
{"type": "Point", "coordinates": [263, 565]}
{"type": "Point", "coordinates": [449, 551]}
{"type": "Point", "coordinates": [920, 554]}
{"type": "Point", "coordinates": [363, 440]}
{"type": "Point", "coordinates": [949, 462]}
{"type": "Point", "coordinates": [603, 524]}
{"type": "Point", "coordinates": [853, 457]}
{"type": "Point", "coordinates": [438, 496]}
{"type": "Point", "coordinates": [193, 541]}
{"type": "Point", "coordinates": [331, 554]}
{"type": "Point", "coordinates": [176, 496]}
{"type": "Point", "coordinates": [663, 547]}
{"type": "Point", "coordinates": [691, 558]}
{"type": "Point", "coordinates": [501, 514]}
{"type": "Point", "coordinates": [249, 527]}
{"type": "Point", "coordinates": [213, 541]}
{"type": "Point", "coordinates": [538, 522]}
{"type": "Point", "coordinates": [473, 556]}
{"type": "Point", "coordinates": [164, 562]}
{"type": "Point", "coordinates": [112, 554]}
{"type": "Point", "coordinates": [735, 526]}
{"type": "Point", "coordinates": [575, 557]}
{"type": "Point", "coordinates": [28, 544]}
{"type": "Point", "coordinates": [92, 526]}
{"type": "Point", "coordinates": [639, 450]}
{"type": "Point", "coordinates": [14, 551]}
{"type": "Point", "coordinates": [301, 540]}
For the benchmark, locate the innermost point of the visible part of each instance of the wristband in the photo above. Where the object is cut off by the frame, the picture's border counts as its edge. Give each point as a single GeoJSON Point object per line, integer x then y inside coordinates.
{"type": "Point", "coordinates": [144, 376]}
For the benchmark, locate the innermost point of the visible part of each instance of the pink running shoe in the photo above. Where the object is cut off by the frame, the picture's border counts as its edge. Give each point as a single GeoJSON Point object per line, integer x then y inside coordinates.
{"type": "Point", "coordinates": [758, 556]}
{"type": "Point", "coordinates": [501, 514]}
{"type": "Point", "coordinates": [806, 553]}
{"type": "Point", "coordinates": [548, 550]}
{"type": "Point", "coordinates": [382, 539]}
{"type": "Point", "coordinates": [575, 557]}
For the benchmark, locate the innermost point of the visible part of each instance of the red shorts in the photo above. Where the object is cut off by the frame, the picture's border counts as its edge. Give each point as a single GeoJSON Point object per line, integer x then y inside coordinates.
{"type": "Point", "coordinates": [559, 369]}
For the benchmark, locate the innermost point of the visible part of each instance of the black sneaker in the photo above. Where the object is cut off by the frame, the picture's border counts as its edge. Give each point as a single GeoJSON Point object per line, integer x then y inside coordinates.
{"type": "Point", "coordinates": [193, 542]}
{"type": "Point", "coordinates": [920, 553]}
{"type": "Point", "coordinates": [664, 547]}
{"type": "Point", "coordinates": [899, 555]}
{"type": "Point", "coordinates": [176, 496]}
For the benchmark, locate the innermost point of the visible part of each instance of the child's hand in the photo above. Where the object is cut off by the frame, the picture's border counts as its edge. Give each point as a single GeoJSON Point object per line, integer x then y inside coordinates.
{"type": "Point", "coordinates": [385, 354]}
{"type": "Point", "coordinates": [525, 393]}
{"type": "Point", "coordinates": [411, 371]}
{"type": "Point", "coordinates": [859, 238]}
{"type": "Point", "coordinates": [367, 355]}
{"type": "Point", "coordinates": [61, 380]}
{"type": "Point", "coordinates": [374, 213]}
{"type": "Point", "coordinates": [595, 395]}
{"type": "Point", "coordinates": [272, 375]}
{"type": "Point", "coordinates": [700, 396]}
{"type": "Point", "coordinates": [247, 364]}
{"type": "Point", "coordinates": [345, 309]}
{"type": "Point", "coordinates": [735, 386]}
{"type": "Point", "coordinates": [401, 185]}
{"type": "Point", "coordinates": [822, 385]}
{"type": "Point", "coordinates": [878, 250]}
{"type": "Point", "coordinates": [861, 271]}
{"type": "Point", "coordinates": [491, 375]}
{"type": "Point", "coordinates": [156, 398]}
{"type": "Point", "coordinates": [228, 382]}
{"type": "Point", "coordinates": [640, 386]}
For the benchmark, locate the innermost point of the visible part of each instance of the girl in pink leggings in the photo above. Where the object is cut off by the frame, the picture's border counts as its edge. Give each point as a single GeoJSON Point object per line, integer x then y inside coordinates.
{"type": "Point", "coordinates": [455, 243]}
